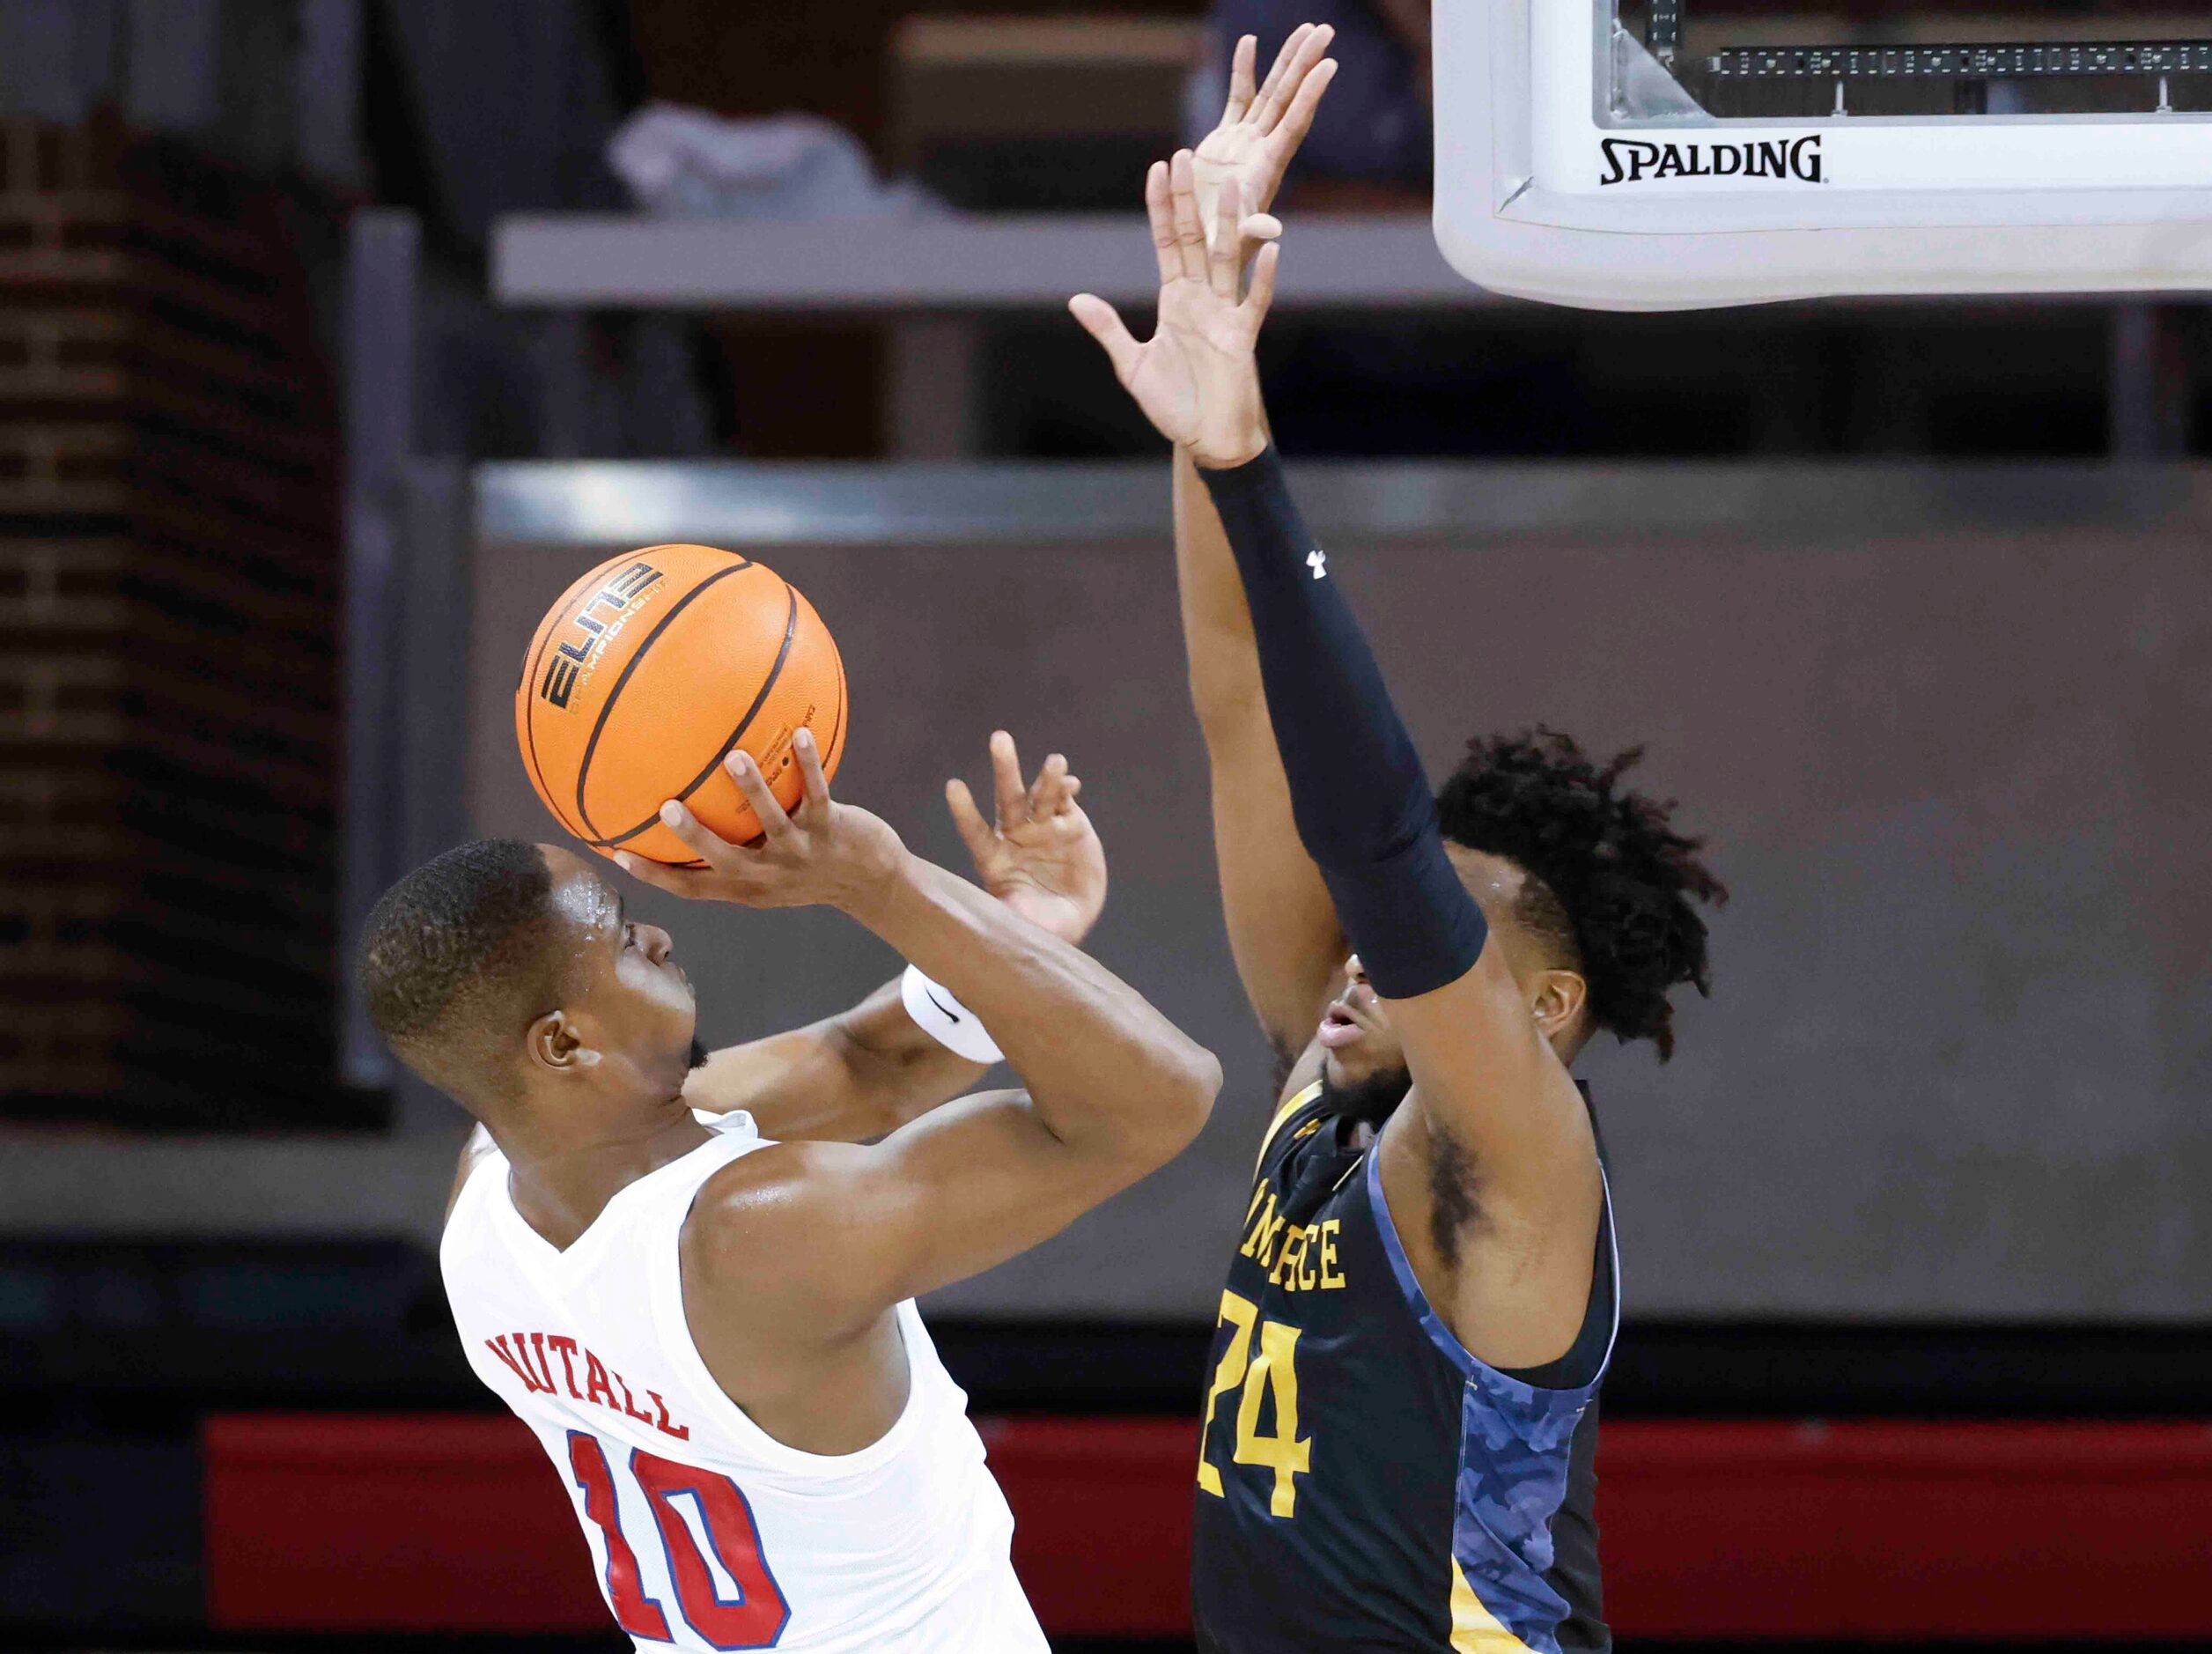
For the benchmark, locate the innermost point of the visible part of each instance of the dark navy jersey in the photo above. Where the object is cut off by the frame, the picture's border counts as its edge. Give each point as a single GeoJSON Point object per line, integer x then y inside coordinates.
{"type": "Point", "coordinates": [1364, 1482]}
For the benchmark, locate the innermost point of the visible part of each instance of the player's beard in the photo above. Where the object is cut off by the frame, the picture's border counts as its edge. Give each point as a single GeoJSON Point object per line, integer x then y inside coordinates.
{"type": "Point", "coordinates": [1370, 1101]}
{"type": "Point", "coordinates": [699, 1054]}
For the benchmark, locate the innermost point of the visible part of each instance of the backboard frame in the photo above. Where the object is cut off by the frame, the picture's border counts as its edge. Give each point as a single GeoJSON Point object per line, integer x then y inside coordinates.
{"type": "Point", "coordinates": [1548, 188]}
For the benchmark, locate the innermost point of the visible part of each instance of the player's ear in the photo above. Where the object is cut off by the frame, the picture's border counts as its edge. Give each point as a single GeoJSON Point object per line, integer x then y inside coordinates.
{"type": "Point", "coordinates": [554, 1043]}
{"type": "Point", "coordinates": [1558, 1001]}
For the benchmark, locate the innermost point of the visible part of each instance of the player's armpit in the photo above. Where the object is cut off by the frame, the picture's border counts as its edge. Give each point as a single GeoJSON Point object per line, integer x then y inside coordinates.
{"type": "Point", "coordinates": [816, 1239]}
{"type": "Point", "coordinates": [1491, 1169]}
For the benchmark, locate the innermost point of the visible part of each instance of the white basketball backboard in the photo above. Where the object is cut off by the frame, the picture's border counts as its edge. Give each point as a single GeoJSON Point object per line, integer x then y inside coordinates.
{"type": "Point", "coordinates": [1585, 161]}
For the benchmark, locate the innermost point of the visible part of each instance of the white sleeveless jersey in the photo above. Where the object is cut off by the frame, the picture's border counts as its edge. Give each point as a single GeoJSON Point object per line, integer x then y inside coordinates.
{"type": "Point", "coordinates": [707, 1533]}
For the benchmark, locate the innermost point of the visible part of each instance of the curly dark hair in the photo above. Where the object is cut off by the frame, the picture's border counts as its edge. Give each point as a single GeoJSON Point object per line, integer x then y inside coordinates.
{"type": "Point", "coordinates": [1610, 882]}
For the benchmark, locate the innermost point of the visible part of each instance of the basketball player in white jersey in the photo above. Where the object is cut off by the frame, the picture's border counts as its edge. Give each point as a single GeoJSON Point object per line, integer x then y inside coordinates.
{"type": "Point", "coordinates": [693, 1277]}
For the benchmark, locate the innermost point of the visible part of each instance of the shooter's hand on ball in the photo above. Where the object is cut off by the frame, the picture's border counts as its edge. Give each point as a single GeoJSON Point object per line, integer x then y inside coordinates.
{"type": "Point", "coordinates": [1261, 128]}
{"type": "Point", "coordinates": [1196, 378]}
{"type": "Point", "coordinates": [826, 855]}
{"type": "Point", "coordinates": [1042, 857]}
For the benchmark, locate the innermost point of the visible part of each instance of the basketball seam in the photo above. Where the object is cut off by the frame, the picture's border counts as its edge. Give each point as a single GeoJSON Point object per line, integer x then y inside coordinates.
{"type": "Point", "coordinates": [607, 706]}
{"type": "Point", "coordinates": [782, 654]}
{"type": "Point", "coordinates": [837, 730]}
{"type": "Point", "coordinates": [552, 624]}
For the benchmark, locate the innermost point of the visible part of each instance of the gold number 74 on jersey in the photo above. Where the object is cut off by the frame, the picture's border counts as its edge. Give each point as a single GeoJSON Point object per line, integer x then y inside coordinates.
{"type": "Point", "coordinates": [1272, 1371]}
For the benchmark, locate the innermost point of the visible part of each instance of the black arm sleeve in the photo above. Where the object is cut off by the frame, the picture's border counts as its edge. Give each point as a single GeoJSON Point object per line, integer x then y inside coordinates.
{"type": "Point", "coordinates": [1357, 787]}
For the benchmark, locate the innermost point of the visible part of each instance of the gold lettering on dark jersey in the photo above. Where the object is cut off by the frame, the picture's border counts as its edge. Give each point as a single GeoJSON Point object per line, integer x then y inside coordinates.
{"type": "Point", "coordinates": [1298, 1258]}
{"type": "Point", "coordinates": [1260, 1242]}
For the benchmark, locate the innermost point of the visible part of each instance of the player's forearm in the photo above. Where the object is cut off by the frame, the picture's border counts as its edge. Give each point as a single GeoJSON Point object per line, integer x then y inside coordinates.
{"type": "Point", "coordinates": [902, 1071]}
{"type": "Point", "coordinates": [1217, 623]}
{"type": "Point", "coordinates": [1104, 1070]}
{"type": "Point", "coordinates": [1283, 928]}
{"type": "Point", "coordinates": [1358, 794]}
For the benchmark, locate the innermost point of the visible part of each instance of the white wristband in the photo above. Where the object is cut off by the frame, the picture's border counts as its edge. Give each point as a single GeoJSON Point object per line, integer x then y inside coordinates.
{"type": "Point", "coordinates": [945, 1020]}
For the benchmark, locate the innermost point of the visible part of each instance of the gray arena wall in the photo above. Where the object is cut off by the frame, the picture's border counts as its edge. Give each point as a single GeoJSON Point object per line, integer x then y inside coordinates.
{"type": "Point", "coordinates": [1942, 730]}
{"type": "Point", "coordinates": [1944, 727]}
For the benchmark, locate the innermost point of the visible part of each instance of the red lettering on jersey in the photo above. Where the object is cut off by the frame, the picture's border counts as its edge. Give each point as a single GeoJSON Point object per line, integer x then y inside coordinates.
{"type": "Point", "coordinates": [595, 1386]}
{"type": "Point", "coordinates": [757, 1618]}
{"type": "Point", "coordinates": [544, 1367]}
{"type": "Point", "coordinates": [519, 1369]}
{"type": "Point", "coordinates": [682, 1432]}
{"type": "Point", "coordinates": [634, 1610]}
{"type": "Point", "coordinates": [629, 1405]}
{"type": "Point", "coordinates": [567, 1348]}
{"type": "Point", "coordinates": [601, 1384]}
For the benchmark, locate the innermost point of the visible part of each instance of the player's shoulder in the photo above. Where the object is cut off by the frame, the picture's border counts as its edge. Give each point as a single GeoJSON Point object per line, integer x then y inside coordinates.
{"type": "Point", "coordinates": [771, 1247]}
{"type": "Point", "coordinates": [772, 1214]}
{"type": "Point", "coordinates": [775, 1186]}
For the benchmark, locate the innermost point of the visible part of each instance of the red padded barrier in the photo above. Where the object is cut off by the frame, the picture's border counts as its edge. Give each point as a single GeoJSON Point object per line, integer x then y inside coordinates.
{"type": "Point", "coordinates": [1712, 1530]}
{"type": "Point", "coordinates": [409, 1523]}
{"type": "Point", "coordinates": [1907, 1530]}
{"type": "Point", "coordinates": [1101, 1520]}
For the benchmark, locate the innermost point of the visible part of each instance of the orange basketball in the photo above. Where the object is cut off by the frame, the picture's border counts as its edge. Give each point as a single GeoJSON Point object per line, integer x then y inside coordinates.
{"type": "Point", "coordinates": [645, 675]}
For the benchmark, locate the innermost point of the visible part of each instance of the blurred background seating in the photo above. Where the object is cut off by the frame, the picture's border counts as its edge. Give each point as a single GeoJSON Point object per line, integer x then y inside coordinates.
{"type": "Point", "coordinates": [1030, 115]}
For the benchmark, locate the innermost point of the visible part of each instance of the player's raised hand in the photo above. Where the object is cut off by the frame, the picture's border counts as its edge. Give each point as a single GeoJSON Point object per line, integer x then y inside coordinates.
{"type": "Point", "coordinates": [1196, 378]}
{"type": "Point", "coordinates": [823, 853]}
{"type": "Point", "coordinates": [1042, 857]}
{"type": "Point", "coordinates": [1262, 126]}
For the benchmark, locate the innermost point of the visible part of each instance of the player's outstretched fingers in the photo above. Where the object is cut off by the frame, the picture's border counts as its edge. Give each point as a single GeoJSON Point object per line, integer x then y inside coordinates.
{"type": "Point", "coordinates": [968, 821]}
{"type": "Point", "coordinates": [1104, 324]}
{"type": "Point", "coordinates": [1241, 89]}
{"type": "Point", "coordinates": [775, 823]}
{"type": "Point", "coordinates": [1161, 216]}
{"type": "Point", "coordinates": [1276, 70]}
{"type": "Point", "coordinates": [1298, 119]}
{"type": "Point", "coordinates": [1189, 230]}
{"type": "Point", "coordinates": [702, 841]}
{"type": "Point", "coordinates": [1261, 292]}
{"type": "Point", "coordinates": [684, 882]}
{"type": "Point", "coordinates": [814, 804]}
{"type": "Point", "coordinates": [1257, 231]}
{"type": "Point", "coordinates": [1049, 796]}
{"type": "Point", "coordinates": [1296, 63]}
{"type": "Point", "coordinates": [1012, 799]}
{"type": "Point", "coordinates": [1225, 256]}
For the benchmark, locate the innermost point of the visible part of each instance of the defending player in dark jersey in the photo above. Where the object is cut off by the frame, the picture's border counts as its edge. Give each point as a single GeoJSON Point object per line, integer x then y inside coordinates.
{"type": "Point", "coordinates": [1399, 1424]}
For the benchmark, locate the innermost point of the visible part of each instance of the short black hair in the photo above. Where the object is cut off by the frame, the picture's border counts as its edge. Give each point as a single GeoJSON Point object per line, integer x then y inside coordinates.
{"type": "Point", "coordinates": [1610, 882]}
{"type": "Point", "coordinates": [455, 952]}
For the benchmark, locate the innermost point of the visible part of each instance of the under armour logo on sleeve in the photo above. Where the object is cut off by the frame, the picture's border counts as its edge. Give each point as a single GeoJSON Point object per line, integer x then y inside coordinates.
{"type": "Point", "coordinates": [1317, 560]}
